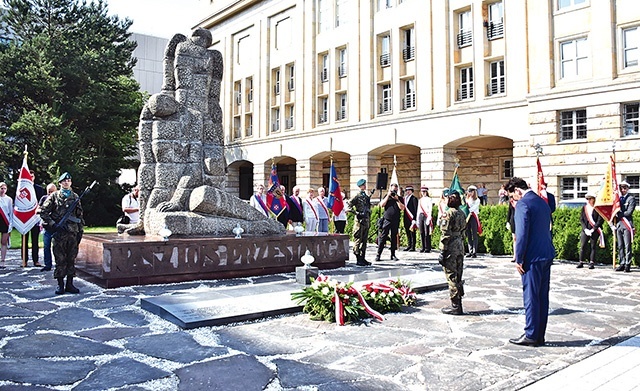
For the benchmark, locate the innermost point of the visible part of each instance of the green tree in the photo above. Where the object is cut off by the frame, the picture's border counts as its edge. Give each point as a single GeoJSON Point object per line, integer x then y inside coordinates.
{"type": "Point", "coordinates": [67, 93]}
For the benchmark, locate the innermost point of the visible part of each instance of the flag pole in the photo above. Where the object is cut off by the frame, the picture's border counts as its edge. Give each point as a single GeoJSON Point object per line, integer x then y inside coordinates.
{"type": "Point", "coordinates": [24, 247]}
{"type": "Point", "coordinates": [613, 228]}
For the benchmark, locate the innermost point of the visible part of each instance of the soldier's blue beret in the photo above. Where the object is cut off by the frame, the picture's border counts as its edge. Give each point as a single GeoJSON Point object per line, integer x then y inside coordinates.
{"type": "Point", "coordinates": [361, 182]}
{"type": "Point", "coordinates": [64, 177]}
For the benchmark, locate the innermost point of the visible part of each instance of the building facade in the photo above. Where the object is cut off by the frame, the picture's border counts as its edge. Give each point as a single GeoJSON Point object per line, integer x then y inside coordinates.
{"type": "Point", "coordinates": [430, 85]}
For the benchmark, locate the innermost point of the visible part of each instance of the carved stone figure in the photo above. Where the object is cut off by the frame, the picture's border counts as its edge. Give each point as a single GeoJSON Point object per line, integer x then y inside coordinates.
{"type": "Point", "coordinates": [181, 140]}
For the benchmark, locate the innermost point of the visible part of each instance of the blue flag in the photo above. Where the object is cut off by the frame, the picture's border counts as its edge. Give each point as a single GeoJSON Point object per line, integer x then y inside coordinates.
{"type": "Point", "coordinates": [334, 192]}
{"type": "Point", "coordinates": [275, 199]}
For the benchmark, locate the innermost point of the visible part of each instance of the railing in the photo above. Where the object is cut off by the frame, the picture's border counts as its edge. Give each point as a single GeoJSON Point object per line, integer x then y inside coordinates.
{"type": "Point", "coordinates": [408, 53]}
{"type": "Point", "coordinates": [238, 98]}
{"type": "Point", "coordinates": [465, 38]}
{"type": "Point", "coordinates": [322, 118]}
{"type": "Point", "coordinates": [291, 85]}
{"type": "Point", "coordinates": [324, 75]}
{"type": "Point", "coordinates": [276, 89]}
{"type": "Point", "coordinates": [496, 87]}
{"type": "Point", "coordinates": [409, 101]}
{"type": "Point", "coordinates": [494, 30]}
{"type": "Point", "coordinates": [342, 71]}
{"type": "Point", "coordinates": [288, 123]}
{"type": "Point", "coordinates": [385, 59]}
{"type": "Point", "coordinates": [384, 107]}
{"type": "Point", "coordinates": [341, 114]}
{"type": "Point", "coordinates": [465, 92]}
{"type": "Point", "coordinates": [249, 130]}
{"type": "Point", "coordinates": [275, 126]}
{"type": "Point", "coordinates": [250, 96]}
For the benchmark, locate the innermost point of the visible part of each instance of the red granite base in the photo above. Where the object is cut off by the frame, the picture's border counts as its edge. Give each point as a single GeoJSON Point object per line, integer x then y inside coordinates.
{"type": "Point", "coordinates": [112, 260]}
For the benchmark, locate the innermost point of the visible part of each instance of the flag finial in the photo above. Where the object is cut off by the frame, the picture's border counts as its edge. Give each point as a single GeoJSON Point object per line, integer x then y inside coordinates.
{"type": "Point", "coordinates": [538, 149]}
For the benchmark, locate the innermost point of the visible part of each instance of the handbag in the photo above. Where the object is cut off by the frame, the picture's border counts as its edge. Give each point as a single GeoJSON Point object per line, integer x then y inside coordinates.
{"type": "Point", "coordinates": [124, 219]}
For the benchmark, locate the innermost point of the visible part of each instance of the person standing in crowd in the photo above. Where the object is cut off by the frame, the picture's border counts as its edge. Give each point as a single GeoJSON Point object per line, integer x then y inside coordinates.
{"type": "Point", "coordinates": [410, 217]}
{"type": "Point", "coordinates": [393, 207]}
{"type": "Point", "coordinates": [425, 221]}
{"type": "Point", "coordinates": [360, 205]}
{"type": "Point", "coordinates": [294, 204]}
{"type": "Point", "coordinates": [6, 221]}
{"type": "Point", "coordinates": [511, 224]}
{"type": "Point", "coordinates": [591, 234]}
{"type": "Point", "coordinates": [283, 217]}
{"type": "Point", "coordinates": [259, 200]}
{"type": "Point", "coordinates": [534, 257]}
{"type": "Point", "coordinates": [46, 237]}
{"type": "Point", "coordinates": [34, 232]}
{"type": "Point", "coordinates": [131, 206]}
{"type": "Point", "coordinates": [482, 194]}
{"type": "Point", "coordinates": [452, 225]}
{"type": "Point", "coordinates": [340, 220]}
{"type": "Point", "coordinates": [67, 235]}
{"type": "Point", "coordinates": [473, 221]}
{"type": "Point", "coordinates": [624, 228]}
{"type": "Point", "coordinates": [503, 196]}
{"type": "Point", "coordinates": [323, 211]}
{"type": "Point", "coordinates": [310, 212]}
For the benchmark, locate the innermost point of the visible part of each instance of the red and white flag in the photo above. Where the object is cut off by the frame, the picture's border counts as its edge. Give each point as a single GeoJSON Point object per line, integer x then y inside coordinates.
{"type": "Point", "coordinates": [25, 204]}
{"type": "Point", "coordinates": [542, 186]}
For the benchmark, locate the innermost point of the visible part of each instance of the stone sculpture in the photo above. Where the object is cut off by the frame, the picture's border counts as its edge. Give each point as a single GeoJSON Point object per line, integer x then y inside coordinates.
{"type": "Point", "coordinates": [181, 140]}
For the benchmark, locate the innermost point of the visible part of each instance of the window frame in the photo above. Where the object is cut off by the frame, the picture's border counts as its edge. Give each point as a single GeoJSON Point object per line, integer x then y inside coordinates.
{"type": "Point", "coordinates": [630, 116]}
{"type": "Point", "coordinates": [499, 79]}
{"type": "Point", "coordinates": [626, 63]}
{"type": "Point", "coordinates": [386, 99]}
{"type": "Point", "coordinates": [409, 96]}
{"type": "Point", "coordinates": [575, 60]}
{"type": "Point", "coordinates": [464, 37]}
{"type": "Point", "coordinates": [574, 126]}
{"type": "Point", "coordinates": [577, 190]}
{"type": "Point", "coordinates": [465, 72]}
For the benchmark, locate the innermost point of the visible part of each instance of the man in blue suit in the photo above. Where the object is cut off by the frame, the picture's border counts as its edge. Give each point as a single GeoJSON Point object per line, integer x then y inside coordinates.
{"type": "Point", "coordinates": [534, 256]}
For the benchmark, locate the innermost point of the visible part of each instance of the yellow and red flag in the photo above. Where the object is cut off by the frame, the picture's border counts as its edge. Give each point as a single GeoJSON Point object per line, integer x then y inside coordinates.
{"type": "Point", "coordinates": [608, 197]}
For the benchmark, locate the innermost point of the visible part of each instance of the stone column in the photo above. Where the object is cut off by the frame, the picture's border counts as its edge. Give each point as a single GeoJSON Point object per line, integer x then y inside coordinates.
{"type": "Point", "coordinates": [233, 180]}
{"type": "Point", "coordinates": [437, 166]}
{"type": "Point", "coordinates": [363, 166]}
{"type": "Point", "coordinates": [261, 174]}
{"type": "Point", "coordinates": [308, 175]}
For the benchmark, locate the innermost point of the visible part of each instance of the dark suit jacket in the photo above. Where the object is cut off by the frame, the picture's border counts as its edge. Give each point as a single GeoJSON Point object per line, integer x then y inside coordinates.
{"type": "Point", "coordinates": [412, 205]}
{"type": "Point", "coordinates": [595, 216]}
{"type": "Point", "coordinates": [533, 237]}
{"type": "Point", "coordinates": [627, 206]}
{"type": "Point", "coordinates": [295, 214]}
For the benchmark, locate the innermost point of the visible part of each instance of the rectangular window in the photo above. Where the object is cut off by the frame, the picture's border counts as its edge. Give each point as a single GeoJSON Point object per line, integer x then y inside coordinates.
{"type": "Point", "coordinates": [324, 15]}
{"type": "Point", "coordinates": [342, 108]}
{"type": "Point", "coordinates": [634, 188]}
{"type": "Point", "coordinates": [342, 62]}
{"type": "Point", "coordinates": [630, 119]}
{"type": "Point", "coordinates": [507, 168]}
{"type": "Point", "coordinates": [248, 123]}
{"type": "Point", "coordinates": [409, 100]}
{"type": "Point", "coordinates": [323, 118]}
{"type": "Point", "coordinates": [574, 188]}
{"type": "Point", "coordinates": [384, 4]}
{"type": "Point", "coordinates": [237, 130]}
{"type": "Point", "coordinates": [385, 55]}
{"type": "Point", "coordinates": [465, 35]}
{"type": "Point", "coordinates": [291, 85]}
{"type": "Point", "coordinates": [276, 82]}
{"type": "Point", "coordinates": [573, 125]}
{"type": "Point", "coordinates": [574, 59]}
{"type": "Point", "coordinates": [630, 44]}
{"type": "Point", "coordinates": [385, 99]}
{"type": "Point", "coordinates": [288, 124]}
{"type": "Point", "coordinates": [569, 3]}
{"type": "Point", "coordinates": [465, 90]}
{"type": "Point", "coordinates": [495, 24]}
{"type": "Point", "coordinates": [496, 78]}
{"type": "Point", "coordinates": [250, 89]}
{"type": "Point", "coordinates": [324, 71]}
{"type": "Point", "coordinates": [275, 120]}
{"type": "Point", "coordinates": [409, 50]}
{"type": "Point", "coordinates": [237, 92]}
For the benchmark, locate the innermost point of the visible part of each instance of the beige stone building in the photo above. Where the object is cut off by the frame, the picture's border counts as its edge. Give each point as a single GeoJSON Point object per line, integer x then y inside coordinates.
{"type": "Point", "coordinates": [431, 84]}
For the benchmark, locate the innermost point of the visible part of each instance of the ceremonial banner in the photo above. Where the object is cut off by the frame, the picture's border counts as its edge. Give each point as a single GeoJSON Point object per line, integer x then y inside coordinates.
{"type": "Point", "coordinates": [608, 197]}
{"type": "Point", "coordinates": [455, 185]}
{"type": "Point", "coordinates": [275, 199]}
{"type": "Point", "coordinates": [394, 177]}
{"type": "Point", "coordinates": [542, 187]}
{"type": "Point", "coordinates": [335, 195]}
{"type": "Point", "coordinates": [25, 204]}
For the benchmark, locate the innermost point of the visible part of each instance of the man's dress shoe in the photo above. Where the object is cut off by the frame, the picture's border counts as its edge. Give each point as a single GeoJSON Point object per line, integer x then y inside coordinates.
{"type": "Point", "coordinates": [524, 341]}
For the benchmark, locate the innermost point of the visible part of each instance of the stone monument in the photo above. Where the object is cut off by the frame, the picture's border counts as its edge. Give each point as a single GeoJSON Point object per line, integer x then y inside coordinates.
{"type": "Point", "coordinates": [181, 139]}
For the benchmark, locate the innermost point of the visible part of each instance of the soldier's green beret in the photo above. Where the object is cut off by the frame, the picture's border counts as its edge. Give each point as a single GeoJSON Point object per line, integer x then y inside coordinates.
{"type": "Point", "coordinates": [445, 192]}
{"type": "Point", "coordinates": [64, 177]}
{"type": "Point", "coordinates": [361, 182]}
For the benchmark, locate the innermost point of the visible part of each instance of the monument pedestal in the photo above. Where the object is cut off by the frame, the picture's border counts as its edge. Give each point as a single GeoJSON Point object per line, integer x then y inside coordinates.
{"type": "Point", "coordinates": [112, 260]}
{"type": "Point", "coordinates": [304, 274]}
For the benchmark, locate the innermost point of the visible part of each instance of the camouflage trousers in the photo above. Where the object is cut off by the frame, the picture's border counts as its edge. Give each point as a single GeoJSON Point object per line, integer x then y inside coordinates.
{"type": "Point", "coordinates": [360, 236]}
{"type": "Point", "coordinates": [65, 250]}
{"type": "Point", "coordinates": [452, 264]}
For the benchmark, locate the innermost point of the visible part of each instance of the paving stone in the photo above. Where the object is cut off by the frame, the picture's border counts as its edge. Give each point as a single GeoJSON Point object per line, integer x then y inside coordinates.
{"type": "Point", "coordinates": [55, 345]}
{"type": "Point", "coordinates": [34, 294]}
{"type": "Point", "coordinates": [39, 306]}
{"type": "Point", "coordinates": [45, 372]}
{"type": "Point", "coordinates": [12, 311]}
{"type": "Point", "coordinates": [363, 385]}
{"type": "Point", "coordinates": [109, 302]}
{"type": "Point", "coordinates": [129, 318]}
{"type": "Point", "coordinates": [120, 372]}
{"type": "Point", "coordinates": [67, 319]}
{"type": "Point", "coordinates": [179, 347]}
{"type": "Point", "coordinates": [243, 372]}
{"type": "Point", "coordinates": [295, 374]}
{"type": "Point", "coordinates": [104, 334]}
{"type": "Point", "coordinates": [239, 338]}
{"type": "Point", "coordinates": [6, 298]}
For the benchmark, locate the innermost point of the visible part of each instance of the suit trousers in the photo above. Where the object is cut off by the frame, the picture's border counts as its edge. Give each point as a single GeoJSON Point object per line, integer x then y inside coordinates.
{"type": "Point", "coordinates": [624, 244]}
{"type": "Point", "coordinates": [535, 294]}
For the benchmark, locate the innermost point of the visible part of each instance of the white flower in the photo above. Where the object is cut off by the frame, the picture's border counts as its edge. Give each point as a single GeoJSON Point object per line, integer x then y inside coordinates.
{"type": "Point", "coordinates": [391, 293]}
{"type": "Point", "coordinates": [325, 290]}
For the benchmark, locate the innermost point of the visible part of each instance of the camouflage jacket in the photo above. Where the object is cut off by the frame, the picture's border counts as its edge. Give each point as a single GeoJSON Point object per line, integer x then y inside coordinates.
{"type": "Point", "coordinates": [55, 207]}
{"type": "Point", "coordinates": [452, 224]}
{"type": "Point", "coordinates": [361, 205]}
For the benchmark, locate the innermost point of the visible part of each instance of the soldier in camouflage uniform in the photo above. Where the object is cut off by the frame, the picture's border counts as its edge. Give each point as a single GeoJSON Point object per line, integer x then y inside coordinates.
{"type": "Point", "coordinates": [452, 225]}
{"type": "Point", "coordinates": [66, 237]}
{"type": "Point", "coordinates": [361, 206]}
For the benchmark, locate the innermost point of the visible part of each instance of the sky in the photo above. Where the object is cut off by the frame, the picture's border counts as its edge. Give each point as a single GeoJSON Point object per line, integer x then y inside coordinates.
{"type": "Point", "coordinates": [161, 18]}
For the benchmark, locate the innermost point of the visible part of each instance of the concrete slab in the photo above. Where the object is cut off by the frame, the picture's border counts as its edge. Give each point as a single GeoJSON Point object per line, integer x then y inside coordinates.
{"type": "Point", "coordinates": [220, 306]}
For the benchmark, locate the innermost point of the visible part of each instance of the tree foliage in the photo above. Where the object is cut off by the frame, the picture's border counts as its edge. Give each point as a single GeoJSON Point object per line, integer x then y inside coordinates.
{"type": "Point", "coordinates": [67, 93]}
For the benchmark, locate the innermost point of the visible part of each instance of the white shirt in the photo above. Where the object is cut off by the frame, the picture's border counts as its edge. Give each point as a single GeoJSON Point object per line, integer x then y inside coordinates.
{"type": "Point", "coordinates": [474, 205]}
{"type": "Point", "coordinates": [425, 205]}
{"type": "Point", "coordinates": [254, 202]}
{"type": "Point", "coordinates": [129, 202]}
{"type": "Point", "coordinates": [7, 209]}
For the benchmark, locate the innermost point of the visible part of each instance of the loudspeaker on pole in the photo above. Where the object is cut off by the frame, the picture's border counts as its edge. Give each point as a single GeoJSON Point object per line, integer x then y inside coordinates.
{"type": "Point", "coordinates": [381, 181]}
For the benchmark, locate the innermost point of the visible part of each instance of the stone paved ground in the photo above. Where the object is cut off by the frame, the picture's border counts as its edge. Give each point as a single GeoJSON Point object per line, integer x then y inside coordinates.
{"type": "Point", "coordinates": [102, 339]}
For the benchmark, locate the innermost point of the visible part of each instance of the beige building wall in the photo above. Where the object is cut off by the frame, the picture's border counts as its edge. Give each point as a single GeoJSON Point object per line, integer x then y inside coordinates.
{"type": "Point", "coordinates": [371, 81]}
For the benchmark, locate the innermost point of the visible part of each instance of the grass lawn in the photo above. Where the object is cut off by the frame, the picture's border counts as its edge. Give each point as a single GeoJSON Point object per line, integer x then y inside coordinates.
{"type": "Point", "coordinates": [16, 238]}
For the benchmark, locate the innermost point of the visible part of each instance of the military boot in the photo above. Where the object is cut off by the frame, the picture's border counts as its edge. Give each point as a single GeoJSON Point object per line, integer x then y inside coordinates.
{"type": "Point", "coordinates": [69, 287]}
{"type": "Point", "coordinates": [60, 288]}
{"type": "Point", "coordinates": [455, 309]}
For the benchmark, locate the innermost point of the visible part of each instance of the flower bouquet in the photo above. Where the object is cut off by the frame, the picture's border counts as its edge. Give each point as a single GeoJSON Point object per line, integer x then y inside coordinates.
{"type": "Point", "coordinates": [390, 297]}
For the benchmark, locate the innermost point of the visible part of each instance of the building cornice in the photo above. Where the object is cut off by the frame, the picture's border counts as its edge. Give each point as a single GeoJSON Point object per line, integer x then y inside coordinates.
{"type": "Point", "coordinates": [230, 10]}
